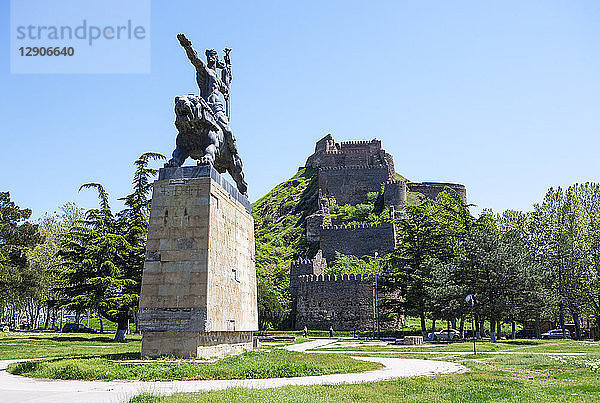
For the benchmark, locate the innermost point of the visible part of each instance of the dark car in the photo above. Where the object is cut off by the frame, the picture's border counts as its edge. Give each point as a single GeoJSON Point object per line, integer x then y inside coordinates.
{"type": "Point", "coordinates": [526, 334]}
{"type": "Point", "coordinates": [77, 328]}
{"type": "Point", "coordinates": [446, 334]}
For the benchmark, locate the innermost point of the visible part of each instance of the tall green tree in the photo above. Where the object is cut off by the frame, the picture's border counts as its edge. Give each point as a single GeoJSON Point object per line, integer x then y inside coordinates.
{"type": "Point", "coordinates": [104, 255]}
{"type": "Point", "coordinates": [18, 282]}
{"type": "Point", "coordinates": [561, 231]}
{"type": "Point", "coordinates": [45, 261]}
{"type": "Point", "coordinates": [430, 236]}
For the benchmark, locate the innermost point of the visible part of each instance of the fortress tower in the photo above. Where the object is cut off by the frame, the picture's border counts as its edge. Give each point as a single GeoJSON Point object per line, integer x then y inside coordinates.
{"type": "Point", "coordinates": [348, 171]}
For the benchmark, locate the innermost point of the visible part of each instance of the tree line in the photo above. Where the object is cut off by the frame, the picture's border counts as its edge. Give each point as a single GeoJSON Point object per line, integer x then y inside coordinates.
{"type": "Point", "coordinates": [81, 261]}
{"type": "Point", "coordinates": [519, 267]}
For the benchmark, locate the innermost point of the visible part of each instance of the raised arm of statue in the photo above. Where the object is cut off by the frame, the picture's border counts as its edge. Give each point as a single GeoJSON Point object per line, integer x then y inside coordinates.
{"type": "Point", "coordinates": [191, 53]}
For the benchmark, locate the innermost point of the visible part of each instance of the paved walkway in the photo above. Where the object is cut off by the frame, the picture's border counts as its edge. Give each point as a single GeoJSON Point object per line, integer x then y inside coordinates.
{"type": "Point", "coordinates": [20, 389]}
{"type": "Point", "coordinates": [332, 351]}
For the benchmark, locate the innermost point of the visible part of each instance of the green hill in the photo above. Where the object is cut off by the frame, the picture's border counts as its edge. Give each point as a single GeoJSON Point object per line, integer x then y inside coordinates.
{"type": "Point", "coordinates": [278, 221]}
{"type": "Point", "coordinates": [280, 238]}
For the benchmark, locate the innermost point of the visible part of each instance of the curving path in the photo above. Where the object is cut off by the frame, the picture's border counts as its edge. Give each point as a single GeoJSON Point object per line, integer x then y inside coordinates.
{"type": "Point", "coordinates": [15, 388]}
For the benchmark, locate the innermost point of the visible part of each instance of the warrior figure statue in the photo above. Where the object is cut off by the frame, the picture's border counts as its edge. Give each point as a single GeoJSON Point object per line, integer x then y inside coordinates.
{"type": "Point", "coordinates": [203, 122]}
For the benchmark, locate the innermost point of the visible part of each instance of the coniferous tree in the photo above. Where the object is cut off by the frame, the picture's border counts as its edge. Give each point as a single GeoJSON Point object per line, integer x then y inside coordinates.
{"type": "Point", "coordinates": [430, 237]}
{"type": "Point", "coordinates": [104, 255]}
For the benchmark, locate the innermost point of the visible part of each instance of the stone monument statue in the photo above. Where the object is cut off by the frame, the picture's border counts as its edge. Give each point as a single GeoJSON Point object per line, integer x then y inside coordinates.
{"type": "Point", "coordinates": [198, 295]}
{"type": "Point", "coordinates": [203, 122]}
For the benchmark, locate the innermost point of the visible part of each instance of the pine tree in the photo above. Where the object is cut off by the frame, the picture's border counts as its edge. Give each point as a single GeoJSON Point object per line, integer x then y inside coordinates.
{"type": "Point", "coordinates": [104, 255]}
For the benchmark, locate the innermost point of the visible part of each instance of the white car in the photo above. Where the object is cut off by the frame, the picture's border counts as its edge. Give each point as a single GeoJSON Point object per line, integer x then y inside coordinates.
{"type": "Point", "coordinates": [557, 334]}
{"type": "Point", "coordinates": [446, 334]}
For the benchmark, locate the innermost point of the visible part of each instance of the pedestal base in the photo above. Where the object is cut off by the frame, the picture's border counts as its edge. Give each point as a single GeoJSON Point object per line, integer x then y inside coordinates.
{"type": "Point", "coordinates": [195, 344]}
{"type": "Point", "coordinates": [198, 296]}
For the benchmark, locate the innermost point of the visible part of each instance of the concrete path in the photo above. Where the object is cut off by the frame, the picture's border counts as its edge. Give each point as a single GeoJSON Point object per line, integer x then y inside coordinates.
{"type": "Point", "coordinates": [20, 389]}
{"type": "Point", "coordinates": [333, 351]}
{"type": "Point", "coordinates": [302, 347]}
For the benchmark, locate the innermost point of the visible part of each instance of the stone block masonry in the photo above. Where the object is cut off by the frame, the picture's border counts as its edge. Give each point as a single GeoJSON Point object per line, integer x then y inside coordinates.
{"type": "Point", "coordinates": [348, 171]}
{"type": "Point", "coordinates": [344, 302]}
{"type": "Point", "coordinates": [350, 184]}
{"type": "Point", "coordinates": [198, 296]}
{"type": "Point", "coordinates": [303, 267]}
{"type": "Point", "coordinates": [359, 240]}
{"type": "Point", "coordinates": [432, 189]}
{"type": "Point", "coordinates": [395, 193]}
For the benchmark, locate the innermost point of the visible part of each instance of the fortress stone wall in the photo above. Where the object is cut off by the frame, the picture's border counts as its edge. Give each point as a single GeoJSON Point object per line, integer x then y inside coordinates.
{"type": "Point", "coordinates": [432, 189]}
{"type": "Point", "coordinates": [350, 184]}
{"type": "Point", "coordinates": [328, 153]}
{"type": "Point", "coordinates": [394, 193]}
{"type": "Point", "coordinates": [304, 267]}
{"type": "Point", "coordinates": [344, 302]}
{"type": "Point", "coordinates": [357, 240]}
{"type": "Point", "coordinates": [348, 171]}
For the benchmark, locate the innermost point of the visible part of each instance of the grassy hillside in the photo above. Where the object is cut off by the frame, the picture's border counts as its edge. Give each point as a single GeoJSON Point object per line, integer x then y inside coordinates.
{"type": "Point", "coordinates": [280, 237]}
{"type": "Point", "coordinates": [280, 234]}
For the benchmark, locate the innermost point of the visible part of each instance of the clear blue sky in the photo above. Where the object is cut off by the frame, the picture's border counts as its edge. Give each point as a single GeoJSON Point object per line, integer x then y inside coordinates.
{"type": "Point", "coordinates": [503, 97]}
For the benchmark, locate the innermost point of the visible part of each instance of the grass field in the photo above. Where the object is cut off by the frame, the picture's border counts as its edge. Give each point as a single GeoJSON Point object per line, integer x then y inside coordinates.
{"type": "Point", "coordinates": [250, 365]}
{"type": "Point", "coordinates": [520, 374]}
{"type": "Point", "coordinates": [97, 357]}
{"type": "Point", "coordinates": [46, 345]}
{"type": "Point", "coordinates": [493, 382]}
{"type": "Point", "coordinates": [493, 378]}
{"type": "Point", "coordinates": [519, 345]}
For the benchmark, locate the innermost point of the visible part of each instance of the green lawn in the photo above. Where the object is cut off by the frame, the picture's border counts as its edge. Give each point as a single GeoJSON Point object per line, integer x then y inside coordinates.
{"type": "Point", "coordinates": [508, 384]}
{"type": "Point", "coordinates": [43, 345]}
{"type": "Point", "coordinates": [250, 365]}
{"type": "Point", "coordinates": [520, 345]}
{"type": "Point", "coordinates": [493, 377]}
{"type": "Point", "coordinates": [412, 326]}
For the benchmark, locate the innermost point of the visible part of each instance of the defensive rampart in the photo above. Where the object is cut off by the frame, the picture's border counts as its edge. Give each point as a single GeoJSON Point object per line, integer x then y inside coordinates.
{"type": "Point", "coordinates": [350, 184]}
{"type": "Point", "coordinates": [432, 189]}
{"type": "Point", "coordinates": [344, 302]}
{"type": "Point", "coordinates": [357, 240]}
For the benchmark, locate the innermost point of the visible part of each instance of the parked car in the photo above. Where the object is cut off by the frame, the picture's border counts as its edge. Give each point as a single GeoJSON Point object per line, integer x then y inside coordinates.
{"type": "Point", "coordinates": [526, 334]}
{"type": "Point", "coordinates": [446, 334]}
{"type": "Point", "coordinates": [557, 334]}
{"type": "Point", "coordinates": [77, 328]}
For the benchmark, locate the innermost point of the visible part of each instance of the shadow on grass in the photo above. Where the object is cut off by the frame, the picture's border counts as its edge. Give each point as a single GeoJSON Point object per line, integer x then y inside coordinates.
{"type": "Point", "coordinates": [112, 357]}
{"type": "Point", "coordinates": [523, 342]}
{"type": "Point", "coordinates": [103, 339]}
{"type": "Point", "coordinates": [62, 338]}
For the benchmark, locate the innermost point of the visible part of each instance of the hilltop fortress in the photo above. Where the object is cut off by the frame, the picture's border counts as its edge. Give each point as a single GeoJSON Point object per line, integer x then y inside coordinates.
{"type": "Point", "coordinates": [347, 173]}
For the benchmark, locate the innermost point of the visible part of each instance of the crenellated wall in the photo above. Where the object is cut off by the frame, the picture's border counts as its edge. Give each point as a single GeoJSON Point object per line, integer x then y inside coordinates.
{"type": "Point", "coordinates": [328, 153]}
{"type": "Point", "coordinates": [357, 240]}
{"type": "Point", "coordinates": [344, 302]}
{"type": "Point", "coordinates": [303, 267]}
{"type": "Point", "coordinates": [350, 184]}
{"type": "Point", "coordinates": [348, 171]}
{"type": "Point", "coordinates": [432, 189]}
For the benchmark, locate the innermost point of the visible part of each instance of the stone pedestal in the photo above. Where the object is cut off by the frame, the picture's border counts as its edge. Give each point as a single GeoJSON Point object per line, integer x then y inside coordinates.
{"type": "Point", "coordinates": [198, 296]}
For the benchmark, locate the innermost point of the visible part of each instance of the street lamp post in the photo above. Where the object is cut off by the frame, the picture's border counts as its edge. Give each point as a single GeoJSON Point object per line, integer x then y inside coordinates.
{"type": "Point", "coordinates": [375, 307]}
{"type": "Point", "coordinates": [470, 298]}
